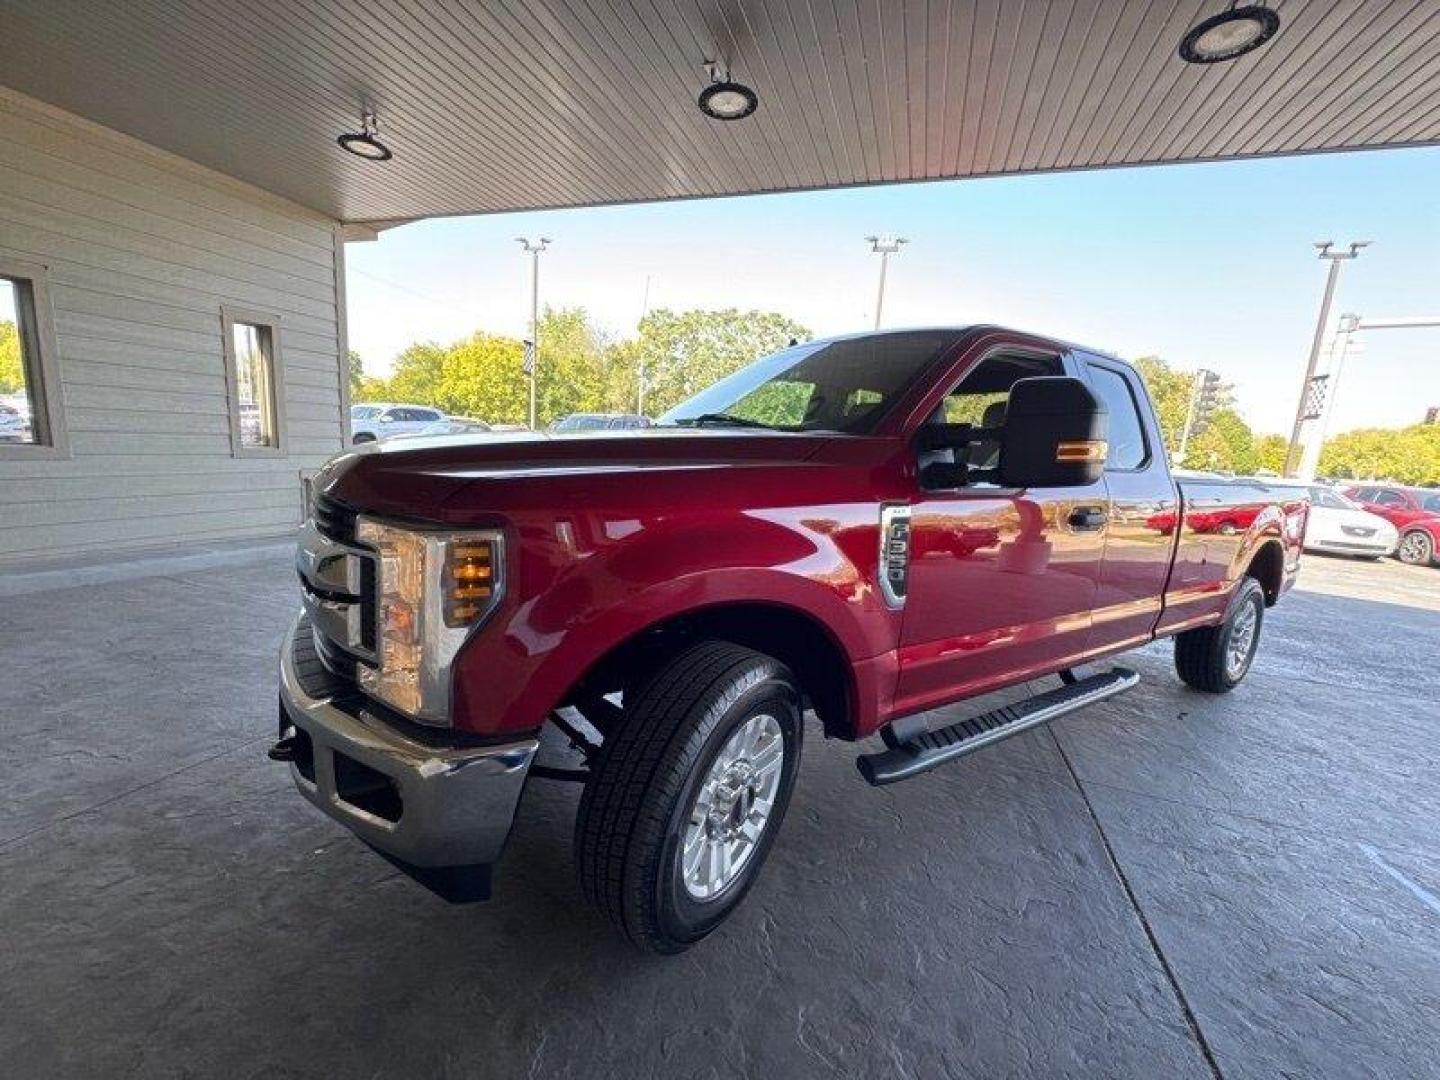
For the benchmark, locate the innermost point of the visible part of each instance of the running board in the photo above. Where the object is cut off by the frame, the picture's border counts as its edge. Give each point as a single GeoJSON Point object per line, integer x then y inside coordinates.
{"type": "Point", "coordinates": [911, 754]}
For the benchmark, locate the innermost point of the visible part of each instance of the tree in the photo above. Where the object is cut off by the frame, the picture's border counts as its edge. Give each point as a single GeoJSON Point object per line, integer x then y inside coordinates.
{"type": "Point", "coordinates": [1225, 444]}
{"type": "Point", "coordinates": [357, 375]}
{"type": "Point", "coordinates": [481, 377]}
{"type": "Point", "coordinates": [573, 372]}
{"type": "Point", "coordinates": [681, 353]}
{"type": "Point", "coordinates": [1270, 453]}
{"type": "Point", "coordinates": [1410, 455]}
{"type": "Point", "coordinates": [12, 366]}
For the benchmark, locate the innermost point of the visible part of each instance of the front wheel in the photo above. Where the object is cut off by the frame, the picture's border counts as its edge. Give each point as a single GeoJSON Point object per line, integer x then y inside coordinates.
{"type": "Point", "coordinates": [685, 799]}
{"type": "Point", "coordinates": [1416, 548]}
{"type": "Point", "coordinates": [1216, 658]}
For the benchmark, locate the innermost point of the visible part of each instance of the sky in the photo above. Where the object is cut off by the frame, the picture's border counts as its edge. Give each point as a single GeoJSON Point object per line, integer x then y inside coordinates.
{"type": "Point", "coordinates": [1205, 265]}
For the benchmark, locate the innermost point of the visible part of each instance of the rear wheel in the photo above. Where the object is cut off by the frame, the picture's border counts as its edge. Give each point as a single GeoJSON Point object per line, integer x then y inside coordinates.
{"type": "Point", "coordinates": [688, 793]}
{"type": "Point", "coordinates": [1416, 548]}
{"type": "Point", "coordinates": [1216, 658]}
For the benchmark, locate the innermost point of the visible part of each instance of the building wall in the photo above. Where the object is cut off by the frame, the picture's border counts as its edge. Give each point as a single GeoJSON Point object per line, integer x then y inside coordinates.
{"type": "Point", "coordinates": [142, 250]}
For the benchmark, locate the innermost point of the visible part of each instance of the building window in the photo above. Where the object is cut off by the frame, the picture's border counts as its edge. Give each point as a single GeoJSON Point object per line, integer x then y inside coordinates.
{"type": "Point", "coordinates": [31, 420]}
{"type": "Point", "coordinates": [254, 381]}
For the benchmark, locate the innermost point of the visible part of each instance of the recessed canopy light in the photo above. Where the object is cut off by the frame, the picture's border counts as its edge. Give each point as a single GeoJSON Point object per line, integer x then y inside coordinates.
{"type": "Point", "coordinates": [724, 99]}
{"type": "Point", "coordinates": [1230, 34]}
{"type": "Point", "coordinates": [363, 143]}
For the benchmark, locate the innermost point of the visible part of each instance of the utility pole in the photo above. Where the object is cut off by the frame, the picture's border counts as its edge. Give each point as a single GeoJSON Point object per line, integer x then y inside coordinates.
{"type": "Point", "coordinates": [1340, 347]}
{"type": "Point", "coordinates": [533, 249]}
{"type": "Point", "coordinates": [1344, 346]}
{"type": "Point", "coordinates": [884, 246]}
{"type": "Point", "coordinates": [640, 365]}
{"type": "Point", "coordinates": [1302, 410]}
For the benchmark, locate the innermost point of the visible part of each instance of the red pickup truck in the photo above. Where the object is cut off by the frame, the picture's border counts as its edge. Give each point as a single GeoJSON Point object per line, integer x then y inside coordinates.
{"type": "Point", "coordinates": [866, 527]}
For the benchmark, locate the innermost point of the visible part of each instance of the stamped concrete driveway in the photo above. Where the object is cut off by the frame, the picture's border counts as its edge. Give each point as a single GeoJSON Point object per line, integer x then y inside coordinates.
{"type": "Point", "coordinates": [1170, 885]}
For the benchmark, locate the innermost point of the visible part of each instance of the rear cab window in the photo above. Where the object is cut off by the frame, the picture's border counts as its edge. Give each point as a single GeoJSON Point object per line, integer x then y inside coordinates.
{"type": "Point", "coordinates": [1128, 449]}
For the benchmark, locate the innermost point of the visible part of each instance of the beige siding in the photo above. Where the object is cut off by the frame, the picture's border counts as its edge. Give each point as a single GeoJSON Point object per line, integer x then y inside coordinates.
{"type": "Point", "coordinates": [142, 249]}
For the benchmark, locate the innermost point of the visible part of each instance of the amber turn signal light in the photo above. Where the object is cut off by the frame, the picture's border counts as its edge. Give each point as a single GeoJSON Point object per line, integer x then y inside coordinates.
{"type": "Point", "coordinates": [1077, 452]}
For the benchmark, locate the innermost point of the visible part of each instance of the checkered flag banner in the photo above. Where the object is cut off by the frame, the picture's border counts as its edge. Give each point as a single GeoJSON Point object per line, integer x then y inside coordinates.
{"type": "Point", "coordinates": [528, 365]}
{"type": "Point", "coordinates": [1315, 397]}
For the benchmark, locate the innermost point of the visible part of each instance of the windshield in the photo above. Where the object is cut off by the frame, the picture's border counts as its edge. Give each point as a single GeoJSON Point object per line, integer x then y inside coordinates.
{"type": "Point", "coordinates": [1328, 497]}
{"type": "Point", "coordinates": [846, 385]}
{"type": "Point", "coordinates": [363, 412]}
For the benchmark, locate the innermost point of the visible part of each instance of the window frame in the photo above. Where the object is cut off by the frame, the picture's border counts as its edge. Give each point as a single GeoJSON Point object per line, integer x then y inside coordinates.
{"type": "Point", "coordinates": [40, 359]}
{"type": "Point", "coordinates": [229, 317]}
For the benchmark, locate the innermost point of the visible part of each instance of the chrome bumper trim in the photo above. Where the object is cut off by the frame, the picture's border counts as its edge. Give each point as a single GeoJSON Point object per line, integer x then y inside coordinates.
{"type": "Point", "coordinates": [457, 802]}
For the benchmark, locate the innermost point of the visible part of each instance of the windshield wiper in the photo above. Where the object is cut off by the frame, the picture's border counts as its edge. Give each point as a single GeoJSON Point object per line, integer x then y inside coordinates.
{"type": "Point", "coordinates": [727, 419]}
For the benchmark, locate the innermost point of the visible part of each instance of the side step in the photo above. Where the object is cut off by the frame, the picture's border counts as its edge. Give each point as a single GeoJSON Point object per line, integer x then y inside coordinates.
{"type": "Point", "coordinates": [912, 754]}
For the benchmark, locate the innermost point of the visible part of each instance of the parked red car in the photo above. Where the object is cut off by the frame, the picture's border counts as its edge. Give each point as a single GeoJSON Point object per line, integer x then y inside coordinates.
{"type": "Point", "coordinates": [1415, 512]}
{"type": "Point", "coordinates": [867, 527]}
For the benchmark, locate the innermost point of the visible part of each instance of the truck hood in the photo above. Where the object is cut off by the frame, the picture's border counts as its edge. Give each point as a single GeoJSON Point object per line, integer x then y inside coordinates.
{"type": "Point", "coordinates": [423, 477]}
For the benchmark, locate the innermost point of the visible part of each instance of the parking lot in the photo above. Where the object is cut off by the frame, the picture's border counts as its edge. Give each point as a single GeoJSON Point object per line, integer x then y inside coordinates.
{"type": "Point", "coordinates": [1168, 885]}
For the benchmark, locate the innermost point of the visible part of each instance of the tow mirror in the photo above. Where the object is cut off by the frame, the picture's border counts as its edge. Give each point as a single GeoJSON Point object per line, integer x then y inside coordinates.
{"type": "Point", "coordinates": [1054, 435]}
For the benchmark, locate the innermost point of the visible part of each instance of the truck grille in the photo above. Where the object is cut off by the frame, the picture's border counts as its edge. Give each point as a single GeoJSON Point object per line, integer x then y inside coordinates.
{"type": "Point", "coordinates": [334, 519]}
{"type": "Point", "coordinates": [338, 587]}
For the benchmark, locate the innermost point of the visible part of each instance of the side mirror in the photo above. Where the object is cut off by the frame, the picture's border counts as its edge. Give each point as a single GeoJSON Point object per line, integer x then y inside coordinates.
{"type": "Point", "coordinates": [1054, 435]}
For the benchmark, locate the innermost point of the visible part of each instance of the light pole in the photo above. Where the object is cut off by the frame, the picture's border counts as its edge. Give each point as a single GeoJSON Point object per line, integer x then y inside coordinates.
{"type": "Point", "coordinates": [534, 248]}
{"type": "Point", "coordinates": [640, 365]}
{"type": "Point", "coordinates": [884, 246]}
{"type": "Point", "coordinates": [1301, 410]}
{"type": "Point", "coordinates": [1343, 347]}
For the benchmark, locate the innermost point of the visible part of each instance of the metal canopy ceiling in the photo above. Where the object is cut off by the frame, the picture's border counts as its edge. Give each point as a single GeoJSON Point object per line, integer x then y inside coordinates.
{"type": "Point", "coordinates": [509, 105]}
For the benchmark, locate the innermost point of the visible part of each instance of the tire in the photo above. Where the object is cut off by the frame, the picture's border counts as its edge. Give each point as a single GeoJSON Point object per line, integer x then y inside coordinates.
{"type": "Point", "coordinates": [660, 769]}
{"type": "Point", "coordinates": [1204, 657]}
{"type": "Point", "coordinates": [363, 437]}
{"type": "Point", "coordinates": [1415, 548]}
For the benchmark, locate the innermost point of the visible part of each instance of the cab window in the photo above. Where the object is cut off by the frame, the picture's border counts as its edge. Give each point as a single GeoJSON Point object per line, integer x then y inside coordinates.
{"type": "Point", "coordinates": [1127, 433]}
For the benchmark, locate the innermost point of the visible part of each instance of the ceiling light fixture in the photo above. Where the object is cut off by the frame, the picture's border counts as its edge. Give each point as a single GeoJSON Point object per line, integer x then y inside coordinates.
{"type": "Point", "coordinates": [363, 143]}
{"type": "Point", "coordinates": [725, 99]}
{"type": "Point", "coordinates": [1230, 34]}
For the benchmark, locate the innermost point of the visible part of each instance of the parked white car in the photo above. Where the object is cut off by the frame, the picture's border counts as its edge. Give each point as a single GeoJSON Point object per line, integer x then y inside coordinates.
{"type": "Point", "coordinates": [1340, 527]}
{"type": "Point", "coordinates": [381, 419]}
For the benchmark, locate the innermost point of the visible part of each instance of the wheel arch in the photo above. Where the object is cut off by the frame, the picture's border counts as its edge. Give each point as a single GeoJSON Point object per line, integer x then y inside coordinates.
{"type": "Point", "coordinates": [795, 637]}
{"type": "Point", "coordinates": [1267, 566]}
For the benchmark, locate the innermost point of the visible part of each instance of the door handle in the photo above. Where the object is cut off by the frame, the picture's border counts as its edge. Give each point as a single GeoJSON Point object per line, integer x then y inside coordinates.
{"type": "Point", "coordinates": [1088, 518]}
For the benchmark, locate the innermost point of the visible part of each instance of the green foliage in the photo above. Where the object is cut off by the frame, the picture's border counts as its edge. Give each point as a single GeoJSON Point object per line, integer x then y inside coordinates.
{"type": "Point", "coordinates": [684, 352]}
{"type": "Point", "coordinates": [12, 366]}
{"type": "Point", "coordinates": [1410, 455]}
{"type": "Point", "coordinates": [579, 370]}
{"type": "Point", "coordinates": [1226, 444]}
{"type": "Point", "coordinates": [1270, 453]}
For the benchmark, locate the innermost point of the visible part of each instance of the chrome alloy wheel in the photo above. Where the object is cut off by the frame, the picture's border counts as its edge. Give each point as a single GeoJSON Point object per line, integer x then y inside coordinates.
{"type": "Point", "coordinates": [1242, 640]}
{"type": "Point", "coordinates": [1414, 548]}
{"type": "Point", "coordinates": [732, 807]}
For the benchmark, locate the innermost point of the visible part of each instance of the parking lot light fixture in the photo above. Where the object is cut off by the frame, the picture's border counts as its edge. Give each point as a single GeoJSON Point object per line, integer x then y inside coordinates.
{"type": "Point", "coordinates": [365, 143]}
{"type": "Point", "coordinates": [725, 99]}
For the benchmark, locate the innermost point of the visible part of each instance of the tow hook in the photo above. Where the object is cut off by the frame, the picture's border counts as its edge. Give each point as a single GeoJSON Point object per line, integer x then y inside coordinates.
{"type": "Point", "coordinates": [287, 749]}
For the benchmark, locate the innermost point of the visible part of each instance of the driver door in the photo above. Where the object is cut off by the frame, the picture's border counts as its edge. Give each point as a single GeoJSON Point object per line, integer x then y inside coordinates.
{"type": "Point", "coordinates": [1002, 581]}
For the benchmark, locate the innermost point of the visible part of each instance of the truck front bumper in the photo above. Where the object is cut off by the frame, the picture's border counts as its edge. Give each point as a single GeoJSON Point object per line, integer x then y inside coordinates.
{"type": "Point", "coordinates": [428, 801]}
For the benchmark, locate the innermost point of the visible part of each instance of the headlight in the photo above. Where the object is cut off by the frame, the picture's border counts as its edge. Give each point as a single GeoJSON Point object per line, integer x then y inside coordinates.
{"type": "Point", "coordinates": [434, 588]}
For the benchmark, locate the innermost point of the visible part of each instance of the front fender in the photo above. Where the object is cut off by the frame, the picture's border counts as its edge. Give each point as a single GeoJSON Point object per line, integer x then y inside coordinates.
{"type": "Point", "coordinates": [589, 585]}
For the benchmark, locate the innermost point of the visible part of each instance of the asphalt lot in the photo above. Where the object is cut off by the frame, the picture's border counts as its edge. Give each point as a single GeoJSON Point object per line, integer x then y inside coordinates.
{"type": "Point", "coordinates": [1168, 885]}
